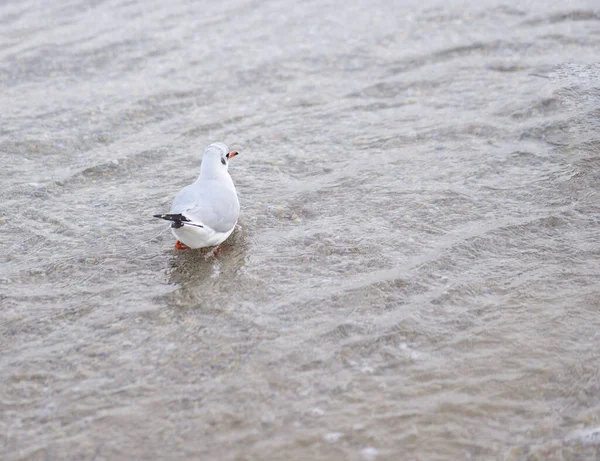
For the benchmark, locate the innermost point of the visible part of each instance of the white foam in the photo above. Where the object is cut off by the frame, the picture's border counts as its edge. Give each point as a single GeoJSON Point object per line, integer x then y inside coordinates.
{"type": "Point", "coordinates": [333, 437]}
{"type": "Point", "coordinates": [369, 453]}
{"type": "Point", "coordinates": [589, 436]}
{"type": "Point", "coordinates": [316, 411]}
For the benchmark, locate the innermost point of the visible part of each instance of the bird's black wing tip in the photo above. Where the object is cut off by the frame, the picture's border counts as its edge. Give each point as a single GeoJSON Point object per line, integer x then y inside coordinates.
{"type": "Point", "coordinates": [172, 217]}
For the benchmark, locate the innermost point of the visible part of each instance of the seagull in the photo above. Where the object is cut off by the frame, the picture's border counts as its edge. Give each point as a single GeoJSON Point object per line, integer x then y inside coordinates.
{"type": "Point", "coordinates": [205, 213]}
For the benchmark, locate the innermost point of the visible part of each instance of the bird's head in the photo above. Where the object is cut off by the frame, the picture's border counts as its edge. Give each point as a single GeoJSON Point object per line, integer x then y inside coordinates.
{"type": "Point", "coordinates": [216, 158]}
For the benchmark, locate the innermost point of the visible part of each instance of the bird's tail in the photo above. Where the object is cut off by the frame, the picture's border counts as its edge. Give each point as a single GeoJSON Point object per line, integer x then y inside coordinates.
{"type": "Point", "coordinates": [177, 220]}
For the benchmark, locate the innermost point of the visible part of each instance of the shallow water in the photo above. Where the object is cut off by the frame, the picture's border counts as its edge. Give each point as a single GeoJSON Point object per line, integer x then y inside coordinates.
{"type": "Point", "coordinates": [415, 271]}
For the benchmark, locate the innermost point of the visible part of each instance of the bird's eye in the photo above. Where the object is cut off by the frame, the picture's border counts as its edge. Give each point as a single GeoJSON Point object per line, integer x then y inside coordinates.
{"type": "Point", "coordinates": [223, 161]}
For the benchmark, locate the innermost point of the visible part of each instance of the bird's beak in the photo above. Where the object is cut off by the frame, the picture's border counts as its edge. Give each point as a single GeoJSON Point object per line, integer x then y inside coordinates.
{"type": "Point", "coordinates": [232, 154]}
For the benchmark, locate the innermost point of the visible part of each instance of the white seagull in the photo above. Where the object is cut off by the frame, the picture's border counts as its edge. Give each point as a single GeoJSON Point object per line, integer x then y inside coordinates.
{"type": "Point", "coordinates": [205, 213]}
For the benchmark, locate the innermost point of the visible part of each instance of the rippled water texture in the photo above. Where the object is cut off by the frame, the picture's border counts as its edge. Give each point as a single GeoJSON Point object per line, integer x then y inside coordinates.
{"type": "Point", "coordinates": [415, 272]}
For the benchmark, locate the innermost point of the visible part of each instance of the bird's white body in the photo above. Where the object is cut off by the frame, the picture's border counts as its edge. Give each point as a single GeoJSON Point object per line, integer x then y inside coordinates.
{"type": "Point", "coordinates": [208, 208]}
{"type": "Point", "coordinates": [195, 237]}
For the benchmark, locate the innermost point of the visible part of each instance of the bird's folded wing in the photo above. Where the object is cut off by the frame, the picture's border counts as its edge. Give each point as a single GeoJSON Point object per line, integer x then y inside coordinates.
{"type": "Point", "coordinates": [214, 207]}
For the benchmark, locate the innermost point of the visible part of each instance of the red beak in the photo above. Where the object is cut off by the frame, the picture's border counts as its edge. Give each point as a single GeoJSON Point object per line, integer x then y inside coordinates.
{"type": "Point", "coordinates": [232, 154]}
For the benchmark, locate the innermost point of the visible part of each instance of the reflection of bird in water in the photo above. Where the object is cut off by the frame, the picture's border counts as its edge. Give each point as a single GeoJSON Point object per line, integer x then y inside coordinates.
{"type": "Point", "coordinates": [193, 269]}
{"type": "Point", "coordinates": [205, 213]}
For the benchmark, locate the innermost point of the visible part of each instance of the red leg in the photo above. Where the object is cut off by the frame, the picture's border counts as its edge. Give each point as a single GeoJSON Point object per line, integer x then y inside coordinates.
{"type": "Point", "coordinates": [181, 246]}
{"type": "Point", "coordinates": [220, 250]}
{"type": "Point", "coordinates": [215, 252]}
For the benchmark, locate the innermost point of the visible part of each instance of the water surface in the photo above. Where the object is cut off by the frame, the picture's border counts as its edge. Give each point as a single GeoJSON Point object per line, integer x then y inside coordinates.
{"type": "Point", "coordinates": [415, 271]}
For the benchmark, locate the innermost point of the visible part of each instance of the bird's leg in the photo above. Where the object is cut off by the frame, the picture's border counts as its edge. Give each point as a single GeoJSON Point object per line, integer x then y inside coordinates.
{"type": "Point", "coordinates": [181, 246]}
{"type": "Point", "coordinates": [220, 250]}
{"type": "Point", "coordinates": [214, 252]}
